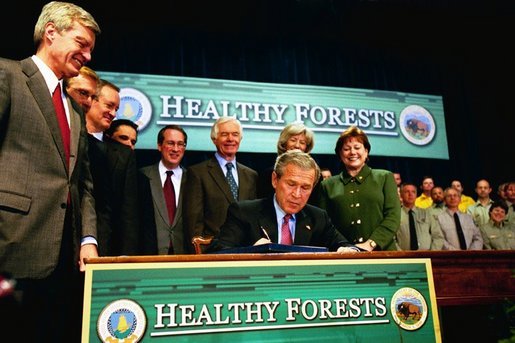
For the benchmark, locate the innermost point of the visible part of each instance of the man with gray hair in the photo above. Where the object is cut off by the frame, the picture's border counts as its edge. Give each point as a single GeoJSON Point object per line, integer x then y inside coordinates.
{"type": "Point", "coordinates": [214, 184]}
{"type": "Point", "coordinates": [47, 214]}
{"type": "Point", "coordinates": [285, 218]}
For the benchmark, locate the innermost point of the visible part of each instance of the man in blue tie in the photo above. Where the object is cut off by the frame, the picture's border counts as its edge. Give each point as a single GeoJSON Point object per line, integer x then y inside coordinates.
{"type": "Point", "coordinates": [218, 182]}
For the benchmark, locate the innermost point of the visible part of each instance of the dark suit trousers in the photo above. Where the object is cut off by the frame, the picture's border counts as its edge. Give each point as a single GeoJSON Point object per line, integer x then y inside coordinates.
{"type": "Point", "coordinates": [51, 308]}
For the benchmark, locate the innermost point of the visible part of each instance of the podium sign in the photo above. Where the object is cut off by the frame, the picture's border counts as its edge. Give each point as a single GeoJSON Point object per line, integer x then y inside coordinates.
{"type": "Point", "coordinates": [348, 300]}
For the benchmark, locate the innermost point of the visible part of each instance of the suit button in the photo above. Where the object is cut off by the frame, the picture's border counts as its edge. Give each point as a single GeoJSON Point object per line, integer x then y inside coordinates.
{"type": "Point", "coordinates": [63, 205]}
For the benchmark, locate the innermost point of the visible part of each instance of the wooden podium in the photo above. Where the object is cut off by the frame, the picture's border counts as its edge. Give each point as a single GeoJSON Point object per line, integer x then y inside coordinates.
{"type": "Point", "coordinates": [460, 277]}
{"type": "Point", "coordinates": [464, 281]}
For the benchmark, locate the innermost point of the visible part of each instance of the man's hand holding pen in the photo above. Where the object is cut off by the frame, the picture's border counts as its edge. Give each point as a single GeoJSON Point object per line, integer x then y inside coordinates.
{"type": "Point", "coordinates": [264, 240]}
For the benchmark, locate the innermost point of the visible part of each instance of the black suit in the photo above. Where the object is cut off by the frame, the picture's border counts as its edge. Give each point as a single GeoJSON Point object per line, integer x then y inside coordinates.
{"type": "Point", "coordinates": [246, 221]}
{"type": "Point", "coordinates": [114, 171]}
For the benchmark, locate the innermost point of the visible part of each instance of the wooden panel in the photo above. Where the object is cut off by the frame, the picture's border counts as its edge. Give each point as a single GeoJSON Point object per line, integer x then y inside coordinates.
{"type": "Point", "coordinates": [460, 277]}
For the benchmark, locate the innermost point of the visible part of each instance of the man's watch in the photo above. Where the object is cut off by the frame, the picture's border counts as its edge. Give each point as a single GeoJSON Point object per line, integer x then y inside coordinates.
{"type": "Point", "coordinates": [372, 244]}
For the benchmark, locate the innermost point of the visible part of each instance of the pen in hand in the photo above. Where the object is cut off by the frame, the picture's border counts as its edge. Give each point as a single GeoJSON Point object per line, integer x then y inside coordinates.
{"type": "Point", "coordinates": [263, 240]}
{"type": "Point", "coordinates": [266, 233]}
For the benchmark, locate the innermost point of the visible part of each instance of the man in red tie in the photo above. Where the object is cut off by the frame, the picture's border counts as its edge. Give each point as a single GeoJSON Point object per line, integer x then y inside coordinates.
{"type": "Point", "coordinates": [286, 217]}
{"type": "Point", "coordinates": [47, 215]}
{"type": "Point", "coordinates": [161, 194]}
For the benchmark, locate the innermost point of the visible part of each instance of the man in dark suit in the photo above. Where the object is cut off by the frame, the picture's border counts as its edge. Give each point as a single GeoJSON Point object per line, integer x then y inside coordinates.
{"type": "Point", "coordinates": [47, 216]}
{"type": "Point", "coordinates": [214, 184]}
{"type": "Point", "coordinates": [284, 218]}
{"type": "Point", "coordinates": [114, 171]}
{"type": "Point", "coordinates": [166, 236]}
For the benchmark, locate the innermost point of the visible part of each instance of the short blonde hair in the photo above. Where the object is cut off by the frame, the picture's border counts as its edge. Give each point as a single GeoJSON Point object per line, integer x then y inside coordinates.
{"type": "Point", "coordinates": [294, 129]}
{"type": "Point", "coordinates": [86, 72]}
{"type": "Point", "coordinates": [63, 15]}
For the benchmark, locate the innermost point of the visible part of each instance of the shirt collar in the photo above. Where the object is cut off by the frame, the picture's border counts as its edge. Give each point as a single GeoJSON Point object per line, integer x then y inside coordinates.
{"type": "Point", "coordinates": [279, 213]}
{"type": "Point", "coordinates": [177, 171]}
{"type": "Point", "coordinates": [98, 135]}
{"type": "Point", "coordinates": [222, 161]}
{"type": "Point", "coordinates": [50, 79]}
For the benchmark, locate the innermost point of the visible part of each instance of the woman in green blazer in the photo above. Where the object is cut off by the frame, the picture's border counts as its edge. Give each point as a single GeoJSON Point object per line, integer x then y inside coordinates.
{"type": "Point", "coordinates": [362, 202]}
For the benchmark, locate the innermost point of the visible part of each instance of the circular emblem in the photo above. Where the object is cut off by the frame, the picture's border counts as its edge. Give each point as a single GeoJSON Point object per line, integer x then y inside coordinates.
{"type": "Point", "coordinates": [417, 125]}
{"type": "Point", "coordinates": [408, 308]}
{"type": "Point", "coordinates": [135, 106]}
{"type": "Point", "coordinates": [122, 320]}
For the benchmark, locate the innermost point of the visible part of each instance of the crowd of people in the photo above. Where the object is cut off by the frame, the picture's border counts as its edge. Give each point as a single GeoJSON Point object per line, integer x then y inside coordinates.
{"type": "Point", "coordinates": [465, 223]}
{"type": "Point", "coordinates": [70, 188]}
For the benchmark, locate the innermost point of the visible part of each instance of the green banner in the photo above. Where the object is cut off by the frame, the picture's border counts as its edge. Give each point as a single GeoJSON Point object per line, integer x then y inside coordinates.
{"type": "Point", "coordinates": [256, 301]}
{"type": "Point", "coordinates": [398, 124]}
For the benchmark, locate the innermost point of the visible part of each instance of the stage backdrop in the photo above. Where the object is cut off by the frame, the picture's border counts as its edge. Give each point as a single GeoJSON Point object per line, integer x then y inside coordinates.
{"type": "Point", "coordinates": [398, 124]}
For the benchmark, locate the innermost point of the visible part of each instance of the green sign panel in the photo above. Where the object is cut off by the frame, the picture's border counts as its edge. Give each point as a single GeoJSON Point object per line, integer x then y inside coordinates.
{"type": "Point", "coordinates": [256, 301]}
{"type": "Point", "coordinates": [398, 124]}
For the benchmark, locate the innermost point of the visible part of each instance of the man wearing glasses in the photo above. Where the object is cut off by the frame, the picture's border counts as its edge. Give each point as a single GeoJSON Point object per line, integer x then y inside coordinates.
{"type": "Point", "coordinates": [83, 87]}
{"type": "Point", "coordinates": [161, 192]}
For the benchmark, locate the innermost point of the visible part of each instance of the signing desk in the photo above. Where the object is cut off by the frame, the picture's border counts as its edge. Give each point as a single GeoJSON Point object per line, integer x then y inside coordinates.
{"type": "Point", "coordinates": [378, 296]}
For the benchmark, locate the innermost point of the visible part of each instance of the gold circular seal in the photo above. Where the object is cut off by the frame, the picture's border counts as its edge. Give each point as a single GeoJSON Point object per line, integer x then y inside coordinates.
{"type": "Point", "coordinates": [409, 308]}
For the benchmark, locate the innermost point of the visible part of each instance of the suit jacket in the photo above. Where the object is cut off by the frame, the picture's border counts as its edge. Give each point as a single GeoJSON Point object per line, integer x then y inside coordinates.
{"type": "Point", "coordinates": [246, 221]}
{"type": "Point", "coordinates": [208, 196]}
{"type": "Point", "coordinates": [34, 180]}
{"type": "Point", "coordinates": [115, 189]}
{"type": "Point", "coordinates": [156, 238]}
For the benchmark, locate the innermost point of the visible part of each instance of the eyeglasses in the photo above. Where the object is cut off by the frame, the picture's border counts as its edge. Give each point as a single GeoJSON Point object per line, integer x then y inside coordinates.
{"type": "Point", "coordinates": [172, 144]}
{"type": "Point", "coordinates": [84, 94]}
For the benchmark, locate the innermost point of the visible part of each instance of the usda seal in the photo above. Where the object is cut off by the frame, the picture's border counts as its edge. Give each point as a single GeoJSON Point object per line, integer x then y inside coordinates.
{"type": "Point", "coordinates": [408, 308]}
{"type": "Point", "coordinates": [135, 106]}
{"type": "Point", "coordinates": [417, 125]}
{"type": "Point", "coordinates": [122, 321]}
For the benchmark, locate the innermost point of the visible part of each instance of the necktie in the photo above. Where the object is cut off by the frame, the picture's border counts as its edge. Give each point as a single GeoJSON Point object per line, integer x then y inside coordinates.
{"type": "Point", "coordinates": [231, 181]}
{"type": "Point", "coordinates": [461, 236]}
{"type": "Point", "coordinates": [285, 231]}
{"type": "Point", "coordinates": [169, 193]}
{"type": "Point", "coordinates": [63, 121]}
{"type": "Point", "coordinates": [412, 232]}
